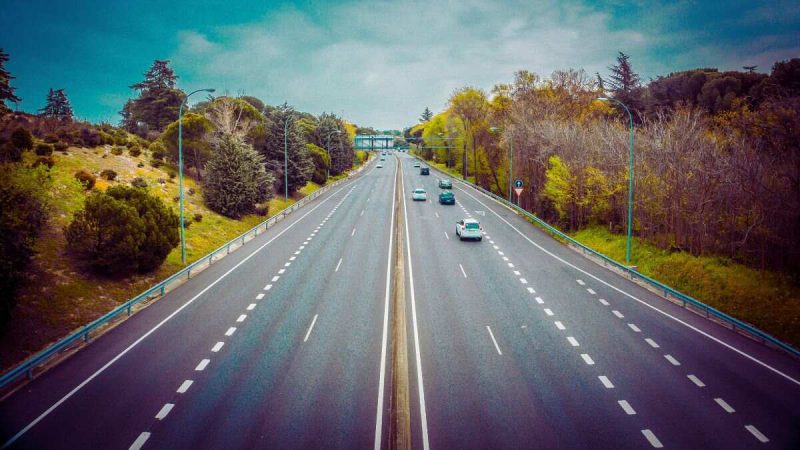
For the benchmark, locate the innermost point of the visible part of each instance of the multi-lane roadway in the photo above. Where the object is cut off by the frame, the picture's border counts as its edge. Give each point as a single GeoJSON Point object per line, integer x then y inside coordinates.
{"type": "Point", "coordinates": [513, 342]}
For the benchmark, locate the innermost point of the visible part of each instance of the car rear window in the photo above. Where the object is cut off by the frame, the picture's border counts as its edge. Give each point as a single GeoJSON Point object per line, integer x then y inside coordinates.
{"type": "Point", "coordinates": [473, 226]}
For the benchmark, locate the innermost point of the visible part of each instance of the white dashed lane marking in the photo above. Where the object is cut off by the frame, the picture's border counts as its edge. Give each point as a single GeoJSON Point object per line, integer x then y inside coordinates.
{"type": "Point", "coordinates": [241, 318]}
{"type": "Point", "coordinates": [251, 306]}
{"type": "Point", "coordinates": [626, 407]}
{"type": "Point", "coordinates": [634, 328]}
{"type": "Point", "coordinates": [282, 271]}
{"type": "Point", "coordinates": [548, 312]}
{"type": "Point", "coordinates": [217, 347]}
{"type": "Point", "coordinates": [724, 405]}
{"type": "Point", "coordinates": [606, 382]}
{"type": "Point", "coordinates": [338, 264]}
{"type": "Point", "coordinates": [139, 442]}
{"type": "Point", "coordinates": [652, 439]}
{"type": "Point", "coordinates": [754, 431]}
{"type": "Point", "coordinates": [672, 360]}
{"type": "Point", "coordinates": [311, 327]}
{"type": "Point", "coordinates": [523, 281]}
{"type": "Point", "coordinates": [184, 386]}
{"type": "Point", "coordinates": [603, 301]}
{"type": "Point", "coordinates": [164, 411]}
{"type": "Point", "coordinates": [275, 278]}
{"type": "Point", "coordinates": [618, 314]}
{"type": "Point", "coordinates": [531, 290]}
{"type": "Point", "coordinates": [652, 343]}
{"type": "Point", "coordinates": [589, 290]}
{"type": "Point", "coordinates": [462, 270]}
{"type": "Point", "coordinates": [539, 300]}
{"type": "Point", "coordinates": [259, 296]}
{"type": "Point", "coordinates": [200, 367]}
{"type": "Point", "coordinates": [573, 341]}
{"type": "Point", "coordinates": [560, 325]}
{"type": "Point", "coordinates": [696, 381]}
{"type": "Point", "coordinates": [267, 287]}
{"type": "Point", "coordinates": [497, 347]}
{"type": "Point", "coordinates": [587, 359]}
{"type": "Point", "coordinates": [230, 331]}
{"type": "Point", "coordinates": [581, 282]}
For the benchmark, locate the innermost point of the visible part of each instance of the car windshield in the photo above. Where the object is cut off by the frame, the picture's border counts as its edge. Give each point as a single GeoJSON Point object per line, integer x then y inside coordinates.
{"type": "Point", "coordinates": [420, 191]}
{"type": "Point", "coordinates": [472, 226]}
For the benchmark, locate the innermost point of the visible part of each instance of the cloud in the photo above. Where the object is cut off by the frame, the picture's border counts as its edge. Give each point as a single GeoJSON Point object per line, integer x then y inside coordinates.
{"type": "Point", "coordinates": [381, 63]}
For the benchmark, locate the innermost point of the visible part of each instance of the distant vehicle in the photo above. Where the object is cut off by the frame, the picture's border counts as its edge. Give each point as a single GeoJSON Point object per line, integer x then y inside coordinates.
{"type": "Point", "coordinates": [379, 166]}
{"type": "Point", "coordinates": [447, 198]}
{"type": "Point", "coordinates": [444, 183]}
{"type": "Point", "coordinates": [416, 163]}
{"type": "Point", "coordinates": [469, 229]}
{"type": "Point", "coordinates": [383, 158]}
{"type": "Point", "coordinates": [424, 171]}
{"type": "Point", "coordinates": [419, 194]}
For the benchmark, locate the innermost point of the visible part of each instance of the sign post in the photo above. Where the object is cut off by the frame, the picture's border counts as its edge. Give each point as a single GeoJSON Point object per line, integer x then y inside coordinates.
{"type": "Point", "coordinates": [518, 188]}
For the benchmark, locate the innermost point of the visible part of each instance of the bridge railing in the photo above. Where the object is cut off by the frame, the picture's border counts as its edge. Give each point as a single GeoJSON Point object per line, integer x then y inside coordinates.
{"type": "Point", "coordinates": [84, 333]}
{"type": "Point", "coordinates": [633, 274]}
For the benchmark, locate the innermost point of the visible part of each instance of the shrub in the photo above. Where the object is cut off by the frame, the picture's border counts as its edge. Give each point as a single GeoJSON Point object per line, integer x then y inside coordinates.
{"type": "Point", "coordinates": [90, 137]}
{"type": "Point", "coordinates": [322, 163]}
{"type": "Point", "coordinates": [156, 163]}
{"type": "Point", "coordinates": [51, 138]}
{"type": "Point", "coordinates": [122, 231]}
{"type": "Point", "coordinates": [22, 138]}
{"type": "Point", "coordinates": [140, 165]}
{"type": "Point", "coordinates": [190, 191]}
{"type": "Point", "coordinates": [23, 213]}
{"type": "Point", "coordinates": [171, 174]}
{"type": "Point", "coordinates": [44, 149]}
{"type": "Point", "coordinates": [135, 151]}
{"type": "Point", "coordinates": [261, 210]}
{"type": "Point", "coordinates": [86, 179]}
{"type": "Point", "coordinates": [60, 147]}
{"type": "Point", "coordinates": [10, 153]}
{"type": "Point", "coordinates": [139, 182]}
{"type": "Point", "coordinates": [198, 217]}
{"type": "Point", "coordinates": [157, 150]}
{"type": "Point", "coordinates": [109, 174]}
{"type": "Point", "coordinates": [44, 160]}
{"type": "Point", "coordinates": [117, 150]}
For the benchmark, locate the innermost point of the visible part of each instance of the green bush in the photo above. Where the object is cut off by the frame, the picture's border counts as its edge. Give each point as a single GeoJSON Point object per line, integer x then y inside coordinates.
{"type": "Point", "coordinates": [235, 178]}
{"type": "Point", "coordinates": [322, 163]}
{"type": "Point", "coordinates": [22, 138]}
{"type": "Point", "coordinates": [123, 231]}
{"type": "Point", "coordinates": [51, 138]}
{"type": "Point", "coordinates": [198, 217]}
{"type": "Point", "coordinates": [44, 149]}
{"type": "Point", "coordinates": [139, 182]}
{"type": "Point", "coordinates": [60, 147]}
{"type": "Point", "coordinates": [86, 179]}
{"type": "Point", "coordinates": [23, 214]}
{"type": "Point", "coordinates": [156, 163]}
{"type": "Point", "coordinates": [117, 150]}
{"type": "Point", "coordinates": [108, 174]}
{"type": "Point", "coordinates": [157, 150]}
{"type": "Point", "coordinates": [135, 151]}
{"type": "Point", "coordinates": [10, 153]}
{"type": "Point", "coordinates": [45, 161]}
{"type": "Point", "coordinates": [261, 210]}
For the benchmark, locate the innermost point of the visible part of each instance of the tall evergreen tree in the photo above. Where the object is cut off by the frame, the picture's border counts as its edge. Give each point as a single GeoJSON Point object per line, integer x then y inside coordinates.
{"type": "Point", "coordinates": [623, 79]}
{"type": "Point", "coordinates": [236, 178]}
{"type": "Point", "coordinates": [6, 91]}
{"type": "Point", "coordinates": [300, 165]}
{"type": "Point", "coordinates": [426, 115]}
{"type": "Point", "coordinates": [341, 148]}
{"type": "Point", "coordinates": [57, 106]}
{"type": "Point", "coordinates": [158, 102]}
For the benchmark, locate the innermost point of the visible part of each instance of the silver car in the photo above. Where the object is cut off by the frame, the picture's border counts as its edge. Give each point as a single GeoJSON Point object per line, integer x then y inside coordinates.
{"type": "Point", "coordinates": [469, 229]}
{"type": "Point", "coordinates": [419, 194]}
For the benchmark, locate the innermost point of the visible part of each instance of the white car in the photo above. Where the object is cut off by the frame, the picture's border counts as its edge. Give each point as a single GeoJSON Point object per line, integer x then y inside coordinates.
{"type": "Point", "coordinates": [379, 166]}
{"type": "Point", "coordinates": [419, 194]}
{"type": "Point", "coordinates": [469, 229]}
{"type": "Point", "coordinates": [416, 163]}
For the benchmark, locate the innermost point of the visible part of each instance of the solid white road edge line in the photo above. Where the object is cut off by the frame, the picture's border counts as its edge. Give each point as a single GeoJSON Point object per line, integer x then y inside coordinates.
{"type": "Point", "coordinates": [160, 324]}
{"type": "Point", "coordinates": [631, 296]}
{"type": "Point", "coordinates": [384, 334]}
{"type": "Point", "coordinates": [420, 387]}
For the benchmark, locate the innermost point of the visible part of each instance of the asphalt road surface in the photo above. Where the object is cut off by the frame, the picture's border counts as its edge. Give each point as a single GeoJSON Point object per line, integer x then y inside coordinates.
{"type": "Point", "coordinates": [513, 342]}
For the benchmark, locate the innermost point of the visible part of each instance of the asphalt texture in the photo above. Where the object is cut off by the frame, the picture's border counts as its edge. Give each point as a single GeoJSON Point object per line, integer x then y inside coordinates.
{"type": "Point", "coordinates": [514, 341]}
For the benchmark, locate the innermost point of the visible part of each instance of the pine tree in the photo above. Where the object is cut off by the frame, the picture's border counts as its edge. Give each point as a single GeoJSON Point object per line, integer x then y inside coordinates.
{"type": "Point", "coordinates": [300, 165]}
{"type": "Point", "coordinates": [623, 79]}
{"type": "Point", "coordinates": [158, 102]}
{"type": "Point", "coordinates": [57, 106]}
{"type": "Point", "coordinates": [426, 115]}
{"type": "Point", "coordinates": [236, 178]}
{"type": "Point", "coordinates": [6, 91]}
{"type": "Point", "coordinates": [341, 148]}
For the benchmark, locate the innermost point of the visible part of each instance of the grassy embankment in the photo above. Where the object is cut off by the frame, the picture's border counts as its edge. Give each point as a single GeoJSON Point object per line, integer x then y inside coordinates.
{"type": "Point", "coordinates": [768, 300]}
{"type": "Point", "coordinates": [59, 296]}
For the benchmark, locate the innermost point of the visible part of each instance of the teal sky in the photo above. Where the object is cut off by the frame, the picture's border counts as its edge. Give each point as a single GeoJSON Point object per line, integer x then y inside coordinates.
{"type": "Point", "coordinates": [377, 63]}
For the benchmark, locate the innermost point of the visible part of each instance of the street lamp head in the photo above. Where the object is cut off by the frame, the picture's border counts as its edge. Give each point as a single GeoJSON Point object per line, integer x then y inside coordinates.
{"type": "Point", "coordinates": [603, 99]}
{"type": "Point", "coordinates": [210, 90]}
{"type": "Point", "coordinates": [494, 129]}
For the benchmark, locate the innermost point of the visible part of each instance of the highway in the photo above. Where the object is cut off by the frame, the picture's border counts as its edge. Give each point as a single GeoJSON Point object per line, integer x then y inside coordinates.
{"type": "Point", "coordinates": [513, 342]}
{"type": "Point", "coordinates": [525, 343]}
{"type": "Point", "coordinates": [278, 345]}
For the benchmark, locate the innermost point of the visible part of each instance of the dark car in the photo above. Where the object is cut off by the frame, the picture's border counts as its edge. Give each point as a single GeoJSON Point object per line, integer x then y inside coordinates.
{"type": "Point", "coordinates": [444, 183]}
{"type": "Point", "coordinates": [447, 198]}
{"type": "Point", "coordinates": [424, 171]}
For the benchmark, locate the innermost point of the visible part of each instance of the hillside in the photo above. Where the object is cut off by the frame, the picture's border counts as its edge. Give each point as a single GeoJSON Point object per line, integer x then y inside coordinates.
{"type": "Point", "coordinates": [59, 295]}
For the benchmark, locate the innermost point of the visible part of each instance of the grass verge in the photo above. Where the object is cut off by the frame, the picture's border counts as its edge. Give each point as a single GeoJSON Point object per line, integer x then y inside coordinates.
{"type": "Point", "coordinates": [767, 300]}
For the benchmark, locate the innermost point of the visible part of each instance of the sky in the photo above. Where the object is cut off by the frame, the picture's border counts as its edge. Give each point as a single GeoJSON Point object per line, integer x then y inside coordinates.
{"type": "Point", "coordinates": [376, 63]}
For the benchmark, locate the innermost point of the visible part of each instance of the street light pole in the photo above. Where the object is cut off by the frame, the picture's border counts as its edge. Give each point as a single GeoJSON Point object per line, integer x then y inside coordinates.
{"type": "Point", "coordinates": [630, 181]}
{"type": "Point", "coordinates": [327, 149]}
{"type": "Point", "coordinates": [285, 160]}
{"type": "Point", "coordinates": [180, 170]}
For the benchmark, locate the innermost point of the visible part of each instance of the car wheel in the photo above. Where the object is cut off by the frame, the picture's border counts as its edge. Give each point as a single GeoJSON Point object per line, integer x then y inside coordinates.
{"type": "Point", "coordinates": [480, 239]}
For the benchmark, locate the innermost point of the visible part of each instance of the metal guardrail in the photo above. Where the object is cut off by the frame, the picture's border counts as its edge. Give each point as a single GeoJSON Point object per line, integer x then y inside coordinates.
{"type": "Point", "coordinates": [83, 334]}
{"type": "Point", "coordinates": [733, 322]}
